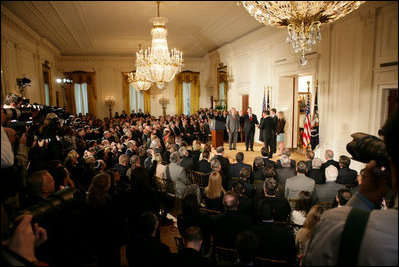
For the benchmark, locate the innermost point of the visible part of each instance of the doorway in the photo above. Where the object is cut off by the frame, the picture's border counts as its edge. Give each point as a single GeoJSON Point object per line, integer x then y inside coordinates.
{"type": "Point", "coordinates": [293, 92]}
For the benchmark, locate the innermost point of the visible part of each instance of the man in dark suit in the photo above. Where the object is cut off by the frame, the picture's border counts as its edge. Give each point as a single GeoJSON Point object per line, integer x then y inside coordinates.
{"type": "Point", "coordinates": [273, 114]}
{"type": "Point", "coordinates": [275, 241]}
{"type": "Point", "coordinates": [204, 166]}
{"type": "Point", "coordinates": [191, 254]}
{"type": "Point", "coordinates": [236, 167]}
{"type": "Point", "coordinates": [345, 174]}
{"type": "Point", "coordinates": [267, 128]}
{"type": "Point", "coordinates": [250, 120]}
{"type": "Point", "coordinates": [228, 224]}
{"type": "Point", "coordinates": [245, 204]}
{"type": "Point", "coordinates": [265, 158]}
{"type": "Point", "coordinates": [317, 173]}
{"type": "Point", "coordinates": [186, 161]}
{"type": "Point", "coordinates": [329, 156]}
{"type": "Point", "coordinates": [309, 159]}
{"type": "Point", "coordinates": [223, 161]}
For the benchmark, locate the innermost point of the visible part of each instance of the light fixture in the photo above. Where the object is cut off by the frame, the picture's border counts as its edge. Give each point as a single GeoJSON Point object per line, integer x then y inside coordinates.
{"type": "Point", "coordinates": [110, 102]}
{"type": "Point", "coordinates": [137, 80]}
{"type": "Point", "coordinates": [302, 19]}
{"type": "Point", "coordinates": [157, 64]}
{"type": "Point", "coordinates": [63, 81]}
{"type": "Point", "coordinates": [164, 103]}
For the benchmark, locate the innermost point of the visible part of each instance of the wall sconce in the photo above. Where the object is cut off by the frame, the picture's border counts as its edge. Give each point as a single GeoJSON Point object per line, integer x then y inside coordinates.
{"type": "Point", "coordinates": [110, 102]}
{"type": "Point", "coordinates": [164, 103]}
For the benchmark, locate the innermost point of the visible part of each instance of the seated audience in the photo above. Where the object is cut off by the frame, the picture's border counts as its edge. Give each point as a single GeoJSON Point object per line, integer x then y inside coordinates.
{"type": "Point", "coordinates": [329, 156]}
{"type": "Point", "coordinates": [245, 204]}
{"type": "Point", "coordinates": [224, 162]}
{"type": "Point", "coordinates": [302, 207]}
{"type": "Point", "coordinates": [191, 254]}
{"type": "Point", "coordinates": [146, 249]}
{"type": "Point", "coordinates": [214, 192]}
{"type": "Point", "coordinates": [245, 176]}
{"type": "Point", "coordinates": [268, 162]}
{"type": "Point", "coordinates": [258, 173]}
{"type": "Point", "coordinates": [185, 161]}
{"type": "Point", "coordinates": [228, 224]}
{"type": "Point", "coordinates": [327, 192]}
{"type": "Point", "coordinates": [287, 152]}
{"type": "Point", "coordinates": [161, 168]}
{"type": "Point", "coordinates": [309, 162]}
{"type": "Point", "coordinates": [317, 173]}
{"type": "Point", "coordinates": [303, 235]}
{"type": "Point", "coordinates": [247, 245]}
{"type": "Point", "coordinates": [285, 171]}
{"type": "Point", "coordinates": [204, 166]}
{"type": "Point", "coordinates": [343, 197]}
{"type": "Point", "coordinates": [178, 175]}
{"type": "Point", "coordinates": [237, 167]}
{"type": "Point", "coordinates": [298, 183]}
{"type": "Point", "coordinates": [346, 175]}
{"type": "Point", "coordinates": [276, 242]}
{"type": "Point", "coordinates": [279, 203]}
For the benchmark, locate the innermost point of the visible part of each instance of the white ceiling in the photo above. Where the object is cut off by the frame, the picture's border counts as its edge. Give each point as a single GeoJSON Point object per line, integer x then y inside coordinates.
{"type": "Point", "coordinates": [118, 27]}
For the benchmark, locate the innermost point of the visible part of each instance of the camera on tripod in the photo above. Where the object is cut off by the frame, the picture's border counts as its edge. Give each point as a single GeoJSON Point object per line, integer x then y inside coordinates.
{"type": "Point", "coordinates": [23, 82]}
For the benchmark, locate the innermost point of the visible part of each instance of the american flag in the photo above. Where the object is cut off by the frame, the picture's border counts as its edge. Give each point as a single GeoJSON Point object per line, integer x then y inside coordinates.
{"type": "Point", "coordinates": [264, 102]}
{"type": "Point", "coordinates": [306, 134]}
{"type": "Point", "coordinates": [314, 140]}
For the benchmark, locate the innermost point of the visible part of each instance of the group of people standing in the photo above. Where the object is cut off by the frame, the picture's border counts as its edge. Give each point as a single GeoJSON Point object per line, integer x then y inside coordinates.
{"type": "Point", "coordinates": [271, 129]}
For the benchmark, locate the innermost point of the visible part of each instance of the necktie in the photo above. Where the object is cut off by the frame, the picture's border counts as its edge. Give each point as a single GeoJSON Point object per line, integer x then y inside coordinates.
{"type": "Point", "coordinates": [250, 118]}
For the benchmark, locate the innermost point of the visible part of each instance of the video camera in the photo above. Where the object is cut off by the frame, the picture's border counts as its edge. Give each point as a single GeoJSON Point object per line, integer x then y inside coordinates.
{"type": "Point", "coordinates": [23, 82]}
{"type": "Point", "coordinates": [45, 208]}
{"type": "Point", "coordinates": [365, 147]}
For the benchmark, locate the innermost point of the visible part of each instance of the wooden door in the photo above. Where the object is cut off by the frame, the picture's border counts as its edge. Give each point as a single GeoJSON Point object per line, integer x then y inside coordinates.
{"type": "Point", "coordinates": [392, 101]}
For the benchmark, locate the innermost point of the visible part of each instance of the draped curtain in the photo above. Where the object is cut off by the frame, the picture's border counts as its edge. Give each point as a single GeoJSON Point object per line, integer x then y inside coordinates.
{"type": "Point", "coordinates": [125, 93]}
{"type": "Point", "coordinates": [187, 77]}
{"type": "Point", "coordinates": [126, 96]}
{"type": "Point", "coordinates": [80, 77]}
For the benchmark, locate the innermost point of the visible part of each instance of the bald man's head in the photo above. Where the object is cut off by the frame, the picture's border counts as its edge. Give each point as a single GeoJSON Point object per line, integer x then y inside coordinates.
{"type": "Point", "coordinates": [230, 201]}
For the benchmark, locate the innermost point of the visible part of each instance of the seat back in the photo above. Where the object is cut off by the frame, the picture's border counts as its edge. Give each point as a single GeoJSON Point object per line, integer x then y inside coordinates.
{"type": "Point", "coordinates": [179, 244]}
{"type": "Point", "coordinates": [160, 183]}
{"type": "Point", "coordinates": [225, 254]}
{"type": "Point", "coordinates": [196, 177]}
{"type": "Point", "coordinates": [209, 211]}
{"type": "Point", "coordinates": [327, 204]}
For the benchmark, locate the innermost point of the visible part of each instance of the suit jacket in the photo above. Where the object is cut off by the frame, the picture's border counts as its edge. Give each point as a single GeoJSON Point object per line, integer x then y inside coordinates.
{"type": "Point", "coordinates": [308, 167]}
{"type": "Point", "coordinates": [275, 241]}
{"type": "Point", "coordinates": [318, 176]}
{"type": "Point", "coordinates": [204, 166]}
{"type": "Point", "coordinates": [275, 120]}
{"type": "Point", "coordinates": [233, 125]}
{"type": "Point", "coordinates": [283, 174]}
{"type": "Point", "coordinates": [347, 176]}
{"type": "Point", "coordinates": [249, 126]}
{"type": "Point", "coordinates": [225, 164]}
{"type": "Point", "coordinates": [187, 163]}
{"type": "Point", "coordinates": [326, 192]}
{"type": "Point", "coordinates": [280, 205]}
{"type": "Point", "coordinates": [178, 175]}
{"type": "Point", "coordinates": [267, 128]}
{"type": "Point", "coordinates": [330, 162]}
{"type": "Point", "coordinates": [267, 162]}
{"type": "Point", "coordinates": [296, 184]}
{"type": "Point", "coordinates": [236, 168]}
{"type": "Point", "coordinates": [227, 225]}
{"type": "Point", "coordinates": [190, 257]}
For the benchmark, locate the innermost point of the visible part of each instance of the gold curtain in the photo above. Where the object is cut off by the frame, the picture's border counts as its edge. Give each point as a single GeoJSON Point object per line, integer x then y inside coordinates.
{"type": "Point", "coordinates": [147, 102]}
{"type": "Point", "coordinates": [80, 77]}
{"type": "Point", "coordinates": [187, 77]}
{"type": "Point", "coordinates": [125, 93]}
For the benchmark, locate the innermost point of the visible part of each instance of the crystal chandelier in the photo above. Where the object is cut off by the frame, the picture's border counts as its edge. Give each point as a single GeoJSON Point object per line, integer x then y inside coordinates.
{"type": "Point", "coordinates": [157, 64]}
{"type": "Point", "coordinates": [302, 19]}
{"type": "Point", "coordinates": [138, 81]}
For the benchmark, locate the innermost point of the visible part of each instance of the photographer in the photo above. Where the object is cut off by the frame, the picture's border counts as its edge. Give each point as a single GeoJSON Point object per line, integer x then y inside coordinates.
{"type": "Point", "coordinates": [358, 234]}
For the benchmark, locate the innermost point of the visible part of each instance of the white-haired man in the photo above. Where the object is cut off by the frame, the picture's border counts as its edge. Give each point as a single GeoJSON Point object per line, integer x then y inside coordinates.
{"type": "Point", "coordinates": [326, 192]}
{"type": "Point", "coordinates": [317, 173]}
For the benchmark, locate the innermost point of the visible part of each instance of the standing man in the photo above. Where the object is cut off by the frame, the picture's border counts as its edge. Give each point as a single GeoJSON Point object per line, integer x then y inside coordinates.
{"type": "Point", "coordinates": [233, 127]}
{"type": "Point", "coordinates": [273, 112]}
{"type": "Point", "coordinates": [250, 121]}
{"type": "Point", "coordinates": [267, 128]}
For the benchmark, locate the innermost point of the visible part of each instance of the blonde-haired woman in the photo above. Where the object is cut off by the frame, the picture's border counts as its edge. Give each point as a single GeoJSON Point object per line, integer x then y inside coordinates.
{"type": "Point", "coordinates": [214, 192]}
{"type": "Point", "coordinates": [280, 131]}
{"type": "Point", "coordinates": [196, 152]}
{"type": "Point", "coordinates": [303, 234]}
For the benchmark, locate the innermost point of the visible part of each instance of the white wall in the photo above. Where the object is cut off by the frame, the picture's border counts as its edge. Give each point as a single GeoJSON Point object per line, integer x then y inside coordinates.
{"type": "Point", "coordinates": [22, 54]}
{"type": "Point", "coordinates": [347, 67]}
